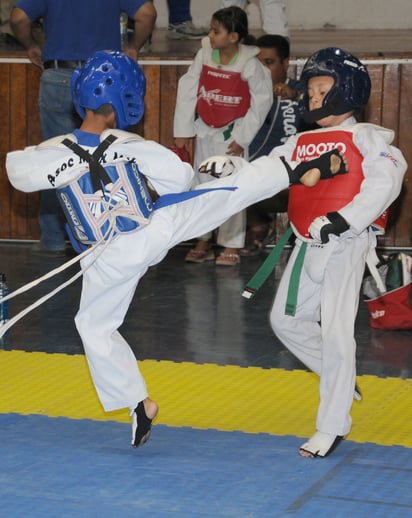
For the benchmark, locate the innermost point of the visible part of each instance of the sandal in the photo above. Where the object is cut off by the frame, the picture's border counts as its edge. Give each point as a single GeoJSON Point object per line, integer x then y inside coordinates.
{"type": "Point", "coordinates": [199, 256]}
{"type": "Point", "coordinates": [227, 259]}
{"type": "Point", "coordinates": [320, 445]}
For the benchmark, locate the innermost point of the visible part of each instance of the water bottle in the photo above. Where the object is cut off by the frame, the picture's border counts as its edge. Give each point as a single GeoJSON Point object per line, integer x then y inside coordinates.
{"type": "Point", "coordinates": [4, 309]}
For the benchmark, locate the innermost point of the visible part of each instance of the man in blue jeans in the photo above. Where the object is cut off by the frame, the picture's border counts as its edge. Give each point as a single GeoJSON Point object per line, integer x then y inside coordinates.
{"type": "Point", "coordinates": [180, 22]}
{"type": "Point", "coordinates": [73, 31]}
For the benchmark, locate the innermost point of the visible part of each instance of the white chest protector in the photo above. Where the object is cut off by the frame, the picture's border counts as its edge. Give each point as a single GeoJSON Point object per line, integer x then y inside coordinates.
{"type": "Point", "coordinates": [104, 201]}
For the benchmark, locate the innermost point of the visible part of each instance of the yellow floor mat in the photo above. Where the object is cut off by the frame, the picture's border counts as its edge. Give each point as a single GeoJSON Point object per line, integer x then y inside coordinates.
{"type": "Point", "coordinates": [251, 400]}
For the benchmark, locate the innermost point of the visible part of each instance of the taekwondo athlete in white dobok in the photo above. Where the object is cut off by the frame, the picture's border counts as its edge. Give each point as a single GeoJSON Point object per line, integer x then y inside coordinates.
{"type": "Point", "coordinates": [222, 101]}
{"type": "Point", "coordinates": [335, 224]}
{"type": "Point", "coordinates": [157, 212]}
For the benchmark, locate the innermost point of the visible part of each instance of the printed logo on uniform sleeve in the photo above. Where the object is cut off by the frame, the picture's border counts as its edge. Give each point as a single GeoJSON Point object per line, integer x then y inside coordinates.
{"type": "Point", "coordinates": [390, 157]}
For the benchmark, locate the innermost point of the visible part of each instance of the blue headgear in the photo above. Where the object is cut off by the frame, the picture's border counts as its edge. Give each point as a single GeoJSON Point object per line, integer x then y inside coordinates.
{"type": "Point", "coordinates": [352, 82]}
{"type": "Point", "coordinates": [110, 77]}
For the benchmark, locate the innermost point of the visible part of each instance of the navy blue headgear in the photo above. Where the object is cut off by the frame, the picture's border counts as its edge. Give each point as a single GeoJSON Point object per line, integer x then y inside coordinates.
{"type": "Point", "coordinates": [110, 77]}
{"type": "Point", "coordinates": [352, 82]}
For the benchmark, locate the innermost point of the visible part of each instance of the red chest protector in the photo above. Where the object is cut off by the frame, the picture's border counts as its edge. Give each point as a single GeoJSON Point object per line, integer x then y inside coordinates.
{"type": "Point", "coordinates": [223, 96]}
{"type": "Point", "coordinates": [307, 203]}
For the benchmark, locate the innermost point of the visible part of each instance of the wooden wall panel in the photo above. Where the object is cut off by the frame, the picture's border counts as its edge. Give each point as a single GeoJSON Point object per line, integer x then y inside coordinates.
{"type": "Point", "coordinates": [22, 129]}
{"type": "Point", "coordinates": [19, 220]}
{"type": "Point", "coordinates": [169, 80]}
{"type": "Point", "coordinates": [404, 224]}
{"type": "Point", "coordinates": [373, 112]}
{"type": "Point", "coordinates": [152, 117]}
{"type": "Point", "coordinates": [5, 191]}
{"type": "Point", "coordinates": [390, 106]}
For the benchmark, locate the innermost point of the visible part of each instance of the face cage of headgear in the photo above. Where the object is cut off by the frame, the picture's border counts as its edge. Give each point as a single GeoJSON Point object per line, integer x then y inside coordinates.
{"type": "Point", "coordinates": [352, 86]}
{"type": "Point", "coordinates": [110, 77]}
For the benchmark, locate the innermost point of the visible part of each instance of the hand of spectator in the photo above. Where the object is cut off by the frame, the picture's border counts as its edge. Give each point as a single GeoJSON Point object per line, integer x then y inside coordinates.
{"type": "Point", "coordinates": [34, 54]}
{"type": "Point", "coordinates": [234, 149]}
{"type": "Point", "coordinates": [284, 91]}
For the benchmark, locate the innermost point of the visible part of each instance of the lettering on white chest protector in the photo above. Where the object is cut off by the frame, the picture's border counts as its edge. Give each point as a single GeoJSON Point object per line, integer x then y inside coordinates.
{"type": "Point", "coordinates": [222, 97]}
{"type": "Point", "coordinates": [104, 201]}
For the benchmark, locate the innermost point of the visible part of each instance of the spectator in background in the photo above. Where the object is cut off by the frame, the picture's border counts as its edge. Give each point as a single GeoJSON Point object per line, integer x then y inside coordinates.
{"type": "Point", "coordinates": [274, 20]}
{"type": "Point", "coordinates": [72, 32]}
{"type": "Point", "coordinates": [222, 100]}
{"type": "Point", "coordinates": [283, 120]}
{"type": "Point", "coordinates": [180, 22]}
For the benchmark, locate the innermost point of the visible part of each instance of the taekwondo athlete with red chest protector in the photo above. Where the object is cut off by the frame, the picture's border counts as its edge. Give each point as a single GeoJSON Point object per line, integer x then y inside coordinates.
{"type": "Point", "coordinates": [335, 226]}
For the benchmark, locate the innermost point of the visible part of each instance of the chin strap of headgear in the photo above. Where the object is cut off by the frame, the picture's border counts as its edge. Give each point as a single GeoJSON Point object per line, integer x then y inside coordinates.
{"type": "Point", "coordinates": [330, 108]}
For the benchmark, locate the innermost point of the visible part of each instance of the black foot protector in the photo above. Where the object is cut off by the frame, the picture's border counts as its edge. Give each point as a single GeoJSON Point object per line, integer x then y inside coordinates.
{"type": "Point", "coordinates": [141, 426]}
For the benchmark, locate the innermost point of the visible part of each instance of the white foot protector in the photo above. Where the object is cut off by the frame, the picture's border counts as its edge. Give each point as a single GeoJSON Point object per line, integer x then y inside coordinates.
{"type": "Point", "coordinates": [320, 445]}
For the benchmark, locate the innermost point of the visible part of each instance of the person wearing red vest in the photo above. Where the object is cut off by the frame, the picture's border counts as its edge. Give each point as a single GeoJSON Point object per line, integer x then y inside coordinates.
{"type": "Point", "coordinates": [335, 224]}
{"type": "Point", "coordinates": [223, 100]}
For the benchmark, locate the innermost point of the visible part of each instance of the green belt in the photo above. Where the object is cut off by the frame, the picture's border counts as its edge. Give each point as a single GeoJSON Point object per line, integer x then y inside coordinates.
{"type": "Point", "coordinates": [267, 268]}
{"type": "Point", "coordinates": [291, 299]}
{"type": "Point", "coordinates": [228, 131]}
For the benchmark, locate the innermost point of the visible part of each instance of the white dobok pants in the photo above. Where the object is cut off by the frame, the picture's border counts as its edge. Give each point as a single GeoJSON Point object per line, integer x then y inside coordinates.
{"type": "Point", "coordinates": [111, 280]}
{"type": "Point", "coordinates": [321, 334]}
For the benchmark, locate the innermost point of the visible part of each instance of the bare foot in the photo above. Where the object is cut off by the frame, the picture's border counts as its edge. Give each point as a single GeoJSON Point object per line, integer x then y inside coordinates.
{"type": "Point", "coordinates": [311, 177]}
{"type": "Point", "coordinates": [338, 165]}
{"type": "Point", "coordinates": [306, 454]}
{"type": "Point", "coordinates": [337, 162]}
{"type": "Point", "coordinates": [202, 245]}
{"type": "Point", "coordinates": [150, 407]}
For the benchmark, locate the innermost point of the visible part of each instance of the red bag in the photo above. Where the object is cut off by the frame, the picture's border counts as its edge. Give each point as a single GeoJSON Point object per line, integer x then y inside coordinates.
{"type": "Point", "coordinates": [392, 310]}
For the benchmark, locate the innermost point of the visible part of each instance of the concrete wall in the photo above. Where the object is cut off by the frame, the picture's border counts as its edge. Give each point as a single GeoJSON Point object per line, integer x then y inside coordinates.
{"type": "Point", "coordinates": [315, 14]}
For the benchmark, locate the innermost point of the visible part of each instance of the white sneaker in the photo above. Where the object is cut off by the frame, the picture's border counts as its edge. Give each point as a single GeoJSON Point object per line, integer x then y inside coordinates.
{"type": "Point", "coordinates": [185, 31]}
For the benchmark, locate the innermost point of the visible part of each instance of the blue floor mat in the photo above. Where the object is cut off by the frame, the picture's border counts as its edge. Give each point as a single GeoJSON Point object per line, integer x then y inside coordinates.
{"type": "Point", "coordinates": [60, 467]}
